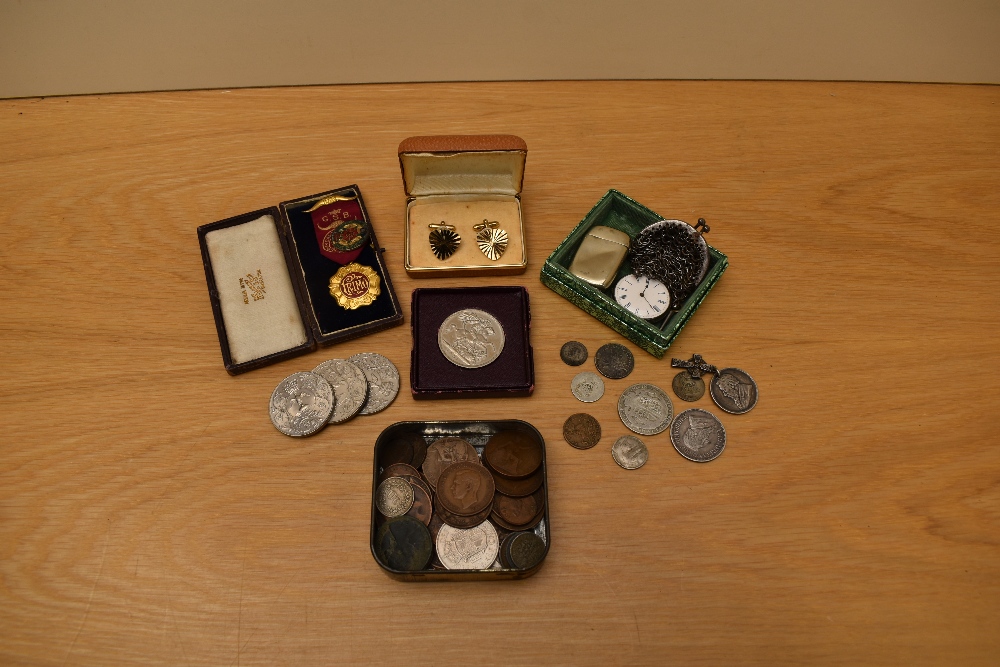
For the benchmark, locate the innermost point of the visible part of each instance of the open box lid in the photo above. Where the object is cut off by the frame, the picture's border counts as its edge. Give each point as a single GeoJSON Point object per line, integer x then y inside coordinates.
{"type": "Point", "coordinates": [463, 164]}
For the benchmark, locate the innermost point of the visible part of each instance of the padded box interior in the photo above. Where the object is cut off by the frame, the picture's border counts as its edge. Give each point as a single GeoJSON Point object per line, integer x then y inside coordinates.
{"type": "Point", "coordinates": [433, 376]}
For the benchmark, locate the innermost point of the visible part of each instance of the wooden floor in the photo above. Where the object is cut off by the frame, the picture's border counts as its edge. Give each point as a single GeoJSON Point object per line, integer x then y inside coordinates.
{"type": "Point", "coordinates": [150, 514]}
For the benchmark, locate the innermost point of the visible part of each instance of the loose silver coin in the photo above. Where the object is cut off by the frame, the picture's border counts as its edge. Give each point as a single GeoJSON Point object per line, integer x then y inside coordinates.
{"type": "Point", "coordinates": [383, 381]}
{"type": "Point", "coordinates": [350, 388]}
{"type": "Point", "coordinates": [394, 497]}
{"type": "Point", "coordinates": [301, 404]}
{"type": "Point", "coordinates": [734, 391]}
{"type": "Point", "coordinates": [471, 338]}
{"type": "Point", "coordinates": [698, 435]}
{"type": "Point", "coordinates": [645, 409]}
{"type": "Point", "coordinates": [630, 452]}
{"type": "Point", "coordinates": [587, 386]}
{"type": "Point", "coordinates": [468, 548]}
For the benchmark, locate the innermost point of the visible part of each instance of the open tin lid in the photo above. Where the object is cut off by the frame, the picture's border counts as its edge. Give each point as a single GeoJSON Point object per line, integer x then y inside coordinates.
{"type": "Point", "coordinates": [462, 164]}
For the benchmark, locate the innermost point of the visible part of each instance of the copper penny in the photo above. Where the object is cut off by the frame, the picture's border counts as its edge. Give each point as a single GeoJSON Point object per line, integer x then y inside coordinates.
{"type": "Point", "coordinates": [465, 488]}
{"type": "Point", "coordinates": [517, 511]}
{"type": "Point", "coordinates": [419, 451]}
{"type": "Point", "coordinates": [461, 521]}
{"type": "Point", "coordinates": [518, 487]}
{"type": "Point", "coordinates": [582, 431]}
{"type": "Point", "coordinates": [396, 450]}
{"type": "Point", "coordinates": [498, 520]}
{"type": "Point", "coordinates": [415, 480]}
{"type": "Point", "coordinates": [443, 452]}
{"type": "Point", "coordinates": [397, 469]}
{"type": "Point", "coordinates": [435, 526]}
{"type": "Point", "coordinates": [505, 540]}
{"type": "Point", "coordinates": [512, 454]}
{"type": "Point", "coordinates": [422, 508]}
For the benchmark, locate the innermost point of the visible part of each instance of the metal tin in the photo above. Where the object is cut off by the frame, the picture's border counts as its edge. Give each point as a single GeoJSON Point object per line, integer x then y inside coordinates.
{"type": "Point", "coordinates": [478, 433]}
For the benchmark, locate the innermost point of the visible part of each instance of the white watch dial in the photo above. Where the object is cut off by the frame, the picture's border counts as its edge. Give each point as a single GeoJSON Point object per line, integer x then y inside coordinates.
{"type": "Point", "coordinates": [642, 296]}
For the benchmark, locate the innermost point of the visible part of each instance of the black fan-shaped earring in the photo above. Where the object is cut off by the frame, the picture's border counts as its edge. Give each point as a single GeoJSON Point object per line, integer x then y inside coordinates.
{"type": "Point", "coordinates": [444, 239]}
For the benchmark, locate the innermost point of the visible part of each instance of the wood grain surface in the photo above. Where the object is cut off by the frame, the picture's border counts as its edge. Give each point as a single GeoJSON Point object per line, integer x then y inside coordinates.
{"type": "Point", "coordinates": [150, 514]}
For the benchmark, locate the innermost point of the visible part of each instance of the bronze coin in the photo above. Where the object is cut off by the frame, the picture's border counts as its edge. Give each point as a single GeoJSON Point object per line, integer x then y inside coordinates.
{"type": "Point", "coordinates": [419, 451]}
{"type": "Point", "coordinates": [404, 543]}
{"type": "Point", "coordinates": [614, 361]}
{"type": "Point", "coordinates": [435, 526]}
{"type": "Point", "coordinates": [512, 454]}
{"type": "Point", "coordinates": [465, 488]}
{"type": "Point", "coordinates": [517, 511]}
{"type": "Point", "coordinates": [505, 548]}
{"type": "Point", "coordinates": [518, 487]}
{"type": "Point", "coordinates": [498, 520]}
{"type": "Point", "coordinates": [688, 388]}
{"type": "Point", "coordinates": [582, 431]}
{"type": "Point", "coordinates": [422, 507]}
{"type": "Point", "coordinates": [457, 521]}
{"type": "Point", "coordinates": [525, 550]}
{"type": "Point", "coordinates": [396, 450]}
{"type": "Point", "coordinates": [442, 453]}
{"type": "Point", "coordinates": [397, 469]}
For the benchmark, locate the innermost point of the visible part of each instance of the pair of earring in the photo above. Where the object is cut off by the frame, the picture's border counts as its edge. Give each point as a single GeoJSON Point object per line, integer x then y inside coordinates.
{"type": "Point", "coordinates": [444, 240]}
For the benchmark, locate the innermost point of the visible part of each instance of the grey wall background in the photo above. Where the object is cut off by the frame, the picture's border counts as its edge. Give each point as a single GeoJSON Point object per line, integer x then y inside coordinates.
{"type": "Point", "coordinates": [61, 47]}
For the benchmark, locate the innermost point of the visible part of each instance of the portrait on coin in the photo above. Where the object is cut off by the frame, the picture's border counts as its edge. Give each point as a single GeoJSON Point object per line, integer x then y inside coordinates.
{"type": "Point", "coordinates": [700, 432]}
{"type": "Point", "coordinates": [466, 487]}
{"type": "Point", "coordinates": [735, 390]}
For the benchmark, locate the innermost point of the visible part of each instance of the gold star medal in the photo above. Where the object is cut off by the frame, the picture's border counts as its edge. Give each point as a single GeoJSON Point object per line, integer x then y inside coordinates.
{"type": "Point", "coordinates": [354, 285]}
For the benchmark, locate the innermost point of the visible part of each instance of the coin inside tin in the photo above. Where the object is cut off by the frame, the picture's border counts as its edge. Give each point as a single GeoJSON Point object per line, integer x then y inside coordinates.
{"type": "Point", "coordinates": [404, 543]}
{"type": "Point", "coordinates": [471, 338]}
{"type": "Point", "coordinates": [525, 550]}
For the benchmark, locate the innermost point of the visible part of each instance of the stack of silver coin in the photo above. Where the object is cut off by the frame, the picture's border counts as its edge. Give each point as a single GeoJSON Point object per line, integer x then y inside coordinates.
{"type": "Point", "coordinates": [333, 392]}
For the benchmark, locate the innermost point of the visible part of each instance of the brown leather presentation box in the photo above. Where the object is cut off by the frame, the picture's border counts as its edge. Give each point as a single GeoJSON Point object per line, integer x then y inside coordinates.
{"type": "Point", "coordinates": [269, 281]}
{"type": "Point", "coordinates": [432, 375]}
{"type": "Point", "coordinates": [462, 181]}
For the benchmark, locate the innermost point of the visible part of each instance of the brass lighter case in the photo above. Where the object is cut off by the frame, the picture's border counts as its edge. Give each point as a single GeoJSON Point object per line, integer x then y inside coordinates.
{"type": "Point", "coordinates": [600, 254]}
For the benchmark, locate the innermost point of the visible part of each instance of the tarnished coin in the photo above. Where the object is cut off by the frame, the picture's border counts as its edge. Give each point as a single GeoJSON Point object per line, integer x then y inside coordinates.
{"type": "Point", "coordinates": [582, 431]}
{"type": "Point", "coordinates": [443, 452]}
{"type": "Point", "coordinates": [301, 404]}
{"type": "Point", "coordinates": [573, 353]}
{"type": "Point", "coordinates": [630, 452]}
{"type": "Point", "coordinates": [518, 487]}
{"type": "Point", "coordinates": [459, 521]}
{"type": "Point", "coordinates": [525, 550]}
{"type": "Point", "coordinates": [398, 470]}
{"type": "Point", "coordinates": [518, 511]}
{"type": "Point", "coordinates": [513, 454]}
{"type": "Point", "coordinates": [698, 435]}
{"type": "Point", "coordinates": [645, 409]}
{"type": "Point", "coordinates": [502, 523]}
{"type": "Point", "coordinates": [468, 549]}
{"type": "Point", "coordinates": [394, 497]}
{"type": "Point", "coordinates": [614, 361]}
{"type": "Point", "coordinates": [404, 543]}
{"type": "Point", "coordinates": [734, 391]}
{"type": "Point", "coordinates": [471, 338]}
{"type": "Point", "coordinates": [587, 387]}
{"type": "Point", "coordinates": [383, 381]}
{"type": "Point", "coordinates": [465, 488]}
{"type": "Point", "coordinates": [688, 388]}
{"type": "Point", "coordinates": [422, 507]}
{"type": "Point", "coordinates": [396, 450]}
{"type": "Point", "coordinates": [350, 388]}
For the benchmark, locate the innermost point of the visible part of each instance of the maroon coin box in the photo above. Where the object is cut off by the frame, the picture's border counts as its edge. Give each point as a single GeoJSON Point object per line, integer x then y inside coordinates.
{"type": "Point", "coordinates": [433, 376]}
{"type": "Point", "coordinates": [268, 283]}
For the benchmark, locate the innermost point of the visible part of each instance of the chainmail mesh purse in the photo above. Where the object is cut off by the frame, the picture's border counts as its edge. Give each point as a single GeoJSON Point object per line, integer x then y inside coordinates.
{"type": "Point", "coordinates": [673, 252]}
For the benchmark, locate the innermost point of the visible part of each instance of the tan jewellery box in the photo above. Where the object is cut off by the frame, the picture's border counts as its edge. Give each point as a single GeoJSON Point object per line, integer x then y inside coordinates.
{"type": "Point", "coordinates": [462, 181]}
